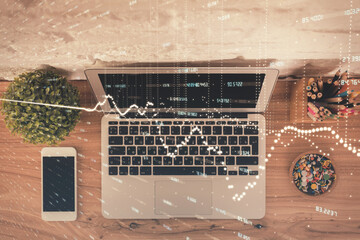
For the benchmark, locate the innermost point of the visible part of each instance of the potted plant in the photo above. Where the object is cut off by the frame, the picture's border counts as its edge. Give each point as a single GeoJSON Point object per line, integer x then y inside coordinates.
{"type": "Point", "coordinates": [37, 123]}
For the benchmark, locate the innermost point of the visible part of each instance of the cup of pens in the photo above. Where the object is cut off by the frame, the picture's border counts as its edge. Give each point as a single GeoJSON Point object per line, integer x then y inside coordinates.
{"type": "Point", "coordinates": [331, 98]}
{"type": "Point", "coordinates": [313, 174]}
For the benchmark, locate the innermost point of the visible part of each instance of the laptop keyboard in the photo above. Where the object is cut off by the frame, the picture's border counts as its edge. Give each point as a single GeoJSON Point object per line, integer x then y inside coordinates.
{"type": "Point", "coordinates": [183, 147]}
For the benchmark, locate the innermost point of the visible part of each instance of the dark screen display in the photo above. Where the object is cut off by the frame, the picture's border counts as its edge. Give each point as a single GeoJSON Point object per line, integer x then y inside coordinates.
{"type": "Point", "coordinates": [58, 184]}
{"type": "Point", "coordinates": [184, 90]}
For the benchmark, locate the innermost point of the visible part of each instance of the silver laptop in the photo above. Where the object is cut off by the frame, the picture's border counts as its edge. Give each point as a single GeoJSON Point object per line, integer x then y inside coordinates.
{"type": "Point", "coordinates": [183, 142]}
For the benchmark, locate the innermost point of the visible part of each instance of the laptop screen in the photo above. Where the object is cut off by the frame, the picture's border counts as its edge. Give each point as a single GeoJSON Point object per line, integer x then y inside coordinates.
{"type": "Point", "coordinates": [184, 90]}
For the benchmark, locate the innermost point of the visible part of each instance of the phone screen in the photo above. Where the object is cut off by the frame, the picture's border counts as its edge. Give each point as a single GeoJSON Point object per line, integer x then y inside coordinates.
{"type": "Point", "coordinates": [58, 184]}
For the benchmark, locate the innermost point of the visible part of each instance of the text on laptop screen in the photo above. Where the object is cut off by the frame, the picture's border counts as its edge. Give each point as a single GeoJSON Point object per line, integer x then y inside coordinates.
{"type": "Point", "coordinates": [184, 90]}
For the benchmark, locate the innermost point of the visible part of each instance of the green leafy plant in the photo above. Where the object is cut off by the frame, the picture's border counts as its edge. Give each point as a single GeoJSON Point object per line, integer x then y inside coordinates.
{"type": "Point", "coordinates": [39, 124]}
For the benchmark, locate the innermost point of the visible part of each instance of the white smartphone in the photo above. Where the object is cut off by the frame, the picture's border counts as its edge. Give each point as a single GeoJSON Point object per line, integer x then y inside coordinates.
{"type": "Point", "coordinates": [58, 184]}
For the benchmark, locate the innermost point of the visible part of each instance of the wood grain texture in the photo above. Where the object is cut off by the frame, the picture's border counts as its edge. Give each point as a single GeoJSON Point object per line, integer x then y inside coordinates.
{"type": "Point", "coordinates": [289, 214]}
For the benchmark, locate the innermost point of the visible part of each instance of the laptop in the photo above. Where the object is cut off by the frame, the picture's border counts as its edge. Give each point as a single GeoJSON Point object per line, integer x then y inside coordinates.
{"type": "Point", "coordinates": [183, 142]}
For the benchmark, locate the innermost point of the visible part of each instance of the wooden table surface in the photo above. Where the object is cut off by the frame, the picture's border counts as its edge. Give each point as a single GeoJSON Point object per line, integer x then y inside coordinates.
{"type": "Point", "coordinates": [289, 214]}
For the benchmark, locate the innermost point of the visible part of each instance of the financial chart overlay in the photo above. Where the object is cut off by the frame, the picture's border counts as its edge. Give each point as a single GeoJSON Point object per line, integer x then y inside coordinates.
{"type": "Point", "coordinates": [311, 162]}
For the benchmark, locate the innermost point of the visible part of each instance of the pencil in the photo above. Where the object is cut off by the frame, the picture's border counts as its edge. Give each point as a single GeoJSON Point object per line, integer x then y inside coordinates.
{"type": "Point", "coordinates": [320, 85]}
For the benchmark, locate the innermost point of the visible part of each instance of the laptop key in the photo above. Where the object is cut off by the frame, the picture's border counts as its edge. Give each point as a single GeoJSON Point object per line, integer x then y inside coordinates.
{"type": "Point", "coordinates": [233, 140]}
{"type": "Point", "coordinates": [123, 130]}
{"type": "Point", "coordinates": [196, 130]}
{"type": "Point", "coordinates": [251, 130]}
{"type": "Point", "coordinates": [170, 140]}
{"type": "Point", "coordinates": [253, 122]}
{"type": "Point", "coordinates": [149, 140]}
{"type": "Point", "coordinates": [212, 140]}
{"type": "Point", "coordinates": [146, 160]}
{"type": "Point", "coordinates": [151, 150]}
{"type": "Point", "coordinates": [144, 130]}
{"type": "Point", "coordinates": [227, 130]}
{"type": "Point", "coordinates": [165, 130]}
{"type": "Point", "coordinates": [210, 122]}
{"type": "Point", "coordinates": [123, 122]}
{"type": "Point", "coordinates": [134, 123]}
{"type": "Point", "coordinates": [220, 122]}
{"type": "Point", "coordinates": [167, 160]}
{"type": "Point", "coordinates": [242, 122]}
{"type": "Point", "coordinates": [131, 150]}
{"type": "Point", "coordinates": [134, 170]}
{"type": "Point", "coordinates": [231, 122]}
{"type": "Point", "coordinates": [219, 161]}
{"type": "Point", "coordinates": [172, 150]}
{"type": "Point", "coordinates": [191, 140]}
{"type": "Point", "coordinates": [209, 160]}
{"type": "Point", "coordinates": [175, 130]}
{"type": "Point", "coordinates": [199, 160]}
{"type": "Point", "coordinates": [247, 161]}
{"type": "Point", "coordinates": [254, 141]}
{"type": "Point", "coordinates": [243, 170]}
{"type": "Point", "coordinates": [154, 130]}
{"type": "Point", "coordinates": [113, 123]}
{"type": "Point", "coordinates": [225, 150]}
{"type": "Point", "coordinates": [115, 140]}
{"type": "Point", "coordinates": [210, 170]}
{"type": "Point", "coordinates": [217, 130]}
{"type": "Point", "coordinates": [141, 150]}
{"type": "Point", "coordinates": [136, 161]}
{"type": "Point", "coordinates": [201, 140]}
{"type": "Point", "coordinates": [243, 140]}
{"type": "Point", "coordinates": [145, 170]}
{"type": "Point", "coordinates": [245, 151]}
{"type": "Point", "coordinates": [159, 140]}
{"type": "Point", "coordinates": [206, 130]}
{"type": "Point", "coordinates": [185, 130]}
{"type": "Point", "coordinates": [188, 160]}
{"type": "Point", "coordinates": [162, 151]}
{"type": "Point", "coordinates": [167, 122]}
{"type": "Point", "coordinates": [183, 150]}
{"type": "Point", "coordinates": [230, 160]}
{"type": "Point", "coordinates": [222, 140]}
{"type": "Point", "coordinates": [235, 150]}
{"type": "Point", "coordinates": [157, 160]}
{"type": "Point", "coordinates": [123, 170]}
{"type": "Point", "coordinates": [238, 130]}
{"type": "Point", "coordinates": [113, 170]}
{"type": "Point", "coordinates": [180, 140]}
{"type": "Point", "coordinates": [116, 150]}
{"type": "Point", "coordinates": [204, 150]}
{"type": "Point", "coordinates": [178, 160]}
{"type": "Point", "coordinates": [193, 150]}
{"type": "Point", "coordinates": [253, 173]}
{"type": "Point", "coordinates": [134, 130]}
{"type": "Point", "coordinates": [178, 170]}
{"type": "Point", "coordinates": [125, 160]}
{"type": "Point", "coordinates": [145, 123]}
{"type": "Point", "coordinates": [199, 122]}
{"type": "Point", "coordinates": [129, 140]}
{"type": "Point", "coordinates": [139, 140]}
{"type": "Point", "coordinates": [113, 130]}
{"type": "Point", "coordinates": [214, 151]}
{"type": "Point", "coordinates": [222, 171]}
{"type": "Point", "coordinates": [114, 160]}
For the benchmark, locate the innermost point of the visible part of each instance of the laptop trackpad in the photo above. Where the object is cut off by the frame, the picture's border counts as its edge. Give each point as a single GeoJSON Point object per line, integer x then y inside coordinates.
{"type": "Point", "coordinates": [189, 197]}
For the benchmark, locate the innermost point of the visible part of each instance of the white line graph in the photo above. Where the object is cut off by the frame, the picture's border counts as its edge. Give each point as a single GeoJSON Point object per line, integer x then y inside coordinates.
{"type": "Point", "coordinates": [94, 109]}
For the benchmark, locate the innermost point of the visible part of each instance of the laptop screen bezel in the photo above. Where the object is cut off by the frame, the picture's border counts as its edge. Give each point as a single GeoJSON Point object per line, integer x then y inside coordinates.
{"type": "Point", "coordinates": [263, 100]}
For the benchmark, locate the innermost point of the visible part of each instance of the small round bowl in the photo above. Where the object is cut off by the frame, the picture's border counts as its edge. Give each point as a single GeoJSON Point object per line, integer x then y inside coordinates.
{"type": "Point", "coordinates": [313, 174]}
